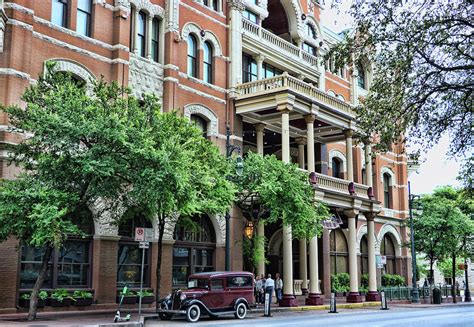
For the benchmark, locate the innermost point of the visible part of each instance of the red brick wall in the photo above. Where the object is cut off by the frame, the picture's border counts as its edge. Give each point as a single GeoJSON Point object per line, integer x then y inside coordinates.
{"type": "Point", "coordinates": [9, 274]}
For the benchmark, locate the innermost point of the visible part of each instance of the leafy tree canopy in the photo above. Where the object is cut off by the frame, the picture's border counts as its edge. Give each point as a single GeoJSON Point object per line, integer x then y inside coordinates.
{"type": "Point", "coordinates": [422, 85]}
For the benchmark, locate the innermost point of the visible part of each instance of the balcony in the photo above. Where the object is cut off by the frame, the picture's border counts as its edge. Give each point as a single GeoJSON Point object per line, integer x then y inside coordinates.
{"type": "Point", "coordinates": [256, 38]}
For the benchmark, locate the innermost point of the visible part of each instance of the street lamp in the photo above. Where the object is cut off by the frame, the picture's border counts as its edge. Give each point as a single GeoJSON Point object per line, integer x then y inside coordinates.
{"type": "Point", "coordinates": [415, 297]}
{"type": "Point", "coordinates": [467, 291]}
{"type": "Point", "coordinates": [239, 167]}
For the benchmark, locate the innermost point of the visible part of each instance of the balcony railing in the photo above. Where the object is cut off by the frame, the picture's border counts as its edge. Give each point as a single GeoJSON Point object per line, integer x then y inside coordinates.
{"type": "Point", "coordinates": [262, 35]}
{"type": "Point", "coordinates": [286, 81]}
{"type": "Point", "coordinates": [330, 183]}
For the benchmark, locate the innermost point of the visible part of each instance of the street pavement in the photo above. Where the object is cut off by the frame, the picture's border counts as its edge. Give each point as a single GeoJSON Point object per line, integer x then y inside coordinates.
{"type": "Point", "coordinates": [398, 316]}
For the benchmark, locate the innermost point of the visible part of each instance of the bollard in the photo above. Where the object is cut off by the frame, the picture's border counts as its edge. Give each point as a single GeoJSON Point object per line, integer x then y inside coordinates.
{"type": "Point", "coordinates": [267, 306]}
{"type": "Point", "coordinates": [332, 306]}
{"type": "Point", "coordinates": [383, 301]}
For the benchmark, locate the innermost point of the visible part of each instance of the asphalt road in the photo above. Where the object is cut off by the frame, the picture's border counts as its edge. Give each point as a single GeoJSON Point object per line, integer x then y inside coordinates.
{"type": "Point", "coordinates": [399, 317]}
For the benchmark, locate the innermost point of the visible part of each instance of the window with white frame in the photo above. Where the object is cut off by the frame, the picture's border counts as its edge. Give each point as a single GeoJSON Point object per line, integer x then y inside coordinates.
{"type": "Point", "coordinates": [84, 17]}
{"type": "Point", "coordinates": [192, 56]}
{"type": "Point", "coordinates": [208, 69]}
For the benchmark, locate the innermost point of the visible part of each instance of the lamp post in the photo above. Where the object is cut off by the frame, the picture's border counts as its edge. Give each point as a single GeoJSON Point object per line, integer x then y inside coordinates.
{"type": "Point", "coordinates": [467, 291]}
{"type": "Point", "coordinates": [415, 297]}
{"type": "Point", "coordinates": [229, 149]}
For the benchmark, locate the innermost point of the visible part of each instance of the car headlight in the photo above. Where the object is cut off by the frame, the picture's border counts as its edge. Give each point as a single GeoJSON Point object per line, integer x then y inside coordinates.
{"type": "Point", "coordinates": [168, 297]}
{"type": "Point", "coordinates": [182, 297]}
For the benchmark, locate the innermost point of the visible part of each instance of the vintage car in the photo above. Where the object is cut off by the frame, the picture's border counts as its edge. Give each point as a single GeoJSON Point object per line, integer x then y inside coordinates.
{"type": "Point", "coordinates": [213, 294]}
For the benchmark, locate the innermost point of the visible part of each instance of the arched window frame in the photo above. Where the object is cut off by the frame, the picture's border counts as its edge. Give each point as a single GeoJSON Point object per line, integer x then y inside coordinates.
{"type": "Point", "coordinates": [208, 65]}
{"type": "Point", "coordinates": [335, 253]}
{"type": "Point", "coordinates": [336, 167]}
{"type": "Point", "coordinates": [387, 190]}
{"type": "Point", "coordinates": [192, 55]}
{"type": "Point", "coordinates": [391, 259]}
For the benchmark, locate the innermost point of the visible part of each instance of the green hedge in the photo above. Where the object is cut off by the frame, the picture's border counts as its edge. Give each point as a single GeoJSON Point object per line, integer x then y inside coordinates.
{"type": "Point", "coordinates": [393, 280]}
{"type": "Point", "coordinates": [340, 282]}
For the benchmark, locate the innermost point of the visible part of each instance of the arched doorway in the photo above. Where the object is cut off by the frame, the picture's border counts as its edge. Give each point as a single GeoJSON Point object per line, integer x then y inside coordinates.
{"type": "Point", "coordinates": [338, 252]}
{"type": "Point", "coordinates": [364, 256]}
{"type": "Point", "coordinates": [193, 250]}
{"type": "Point", "coordinates": [277, 20]}
{"type": "Point", "coordinates": [387, 248]}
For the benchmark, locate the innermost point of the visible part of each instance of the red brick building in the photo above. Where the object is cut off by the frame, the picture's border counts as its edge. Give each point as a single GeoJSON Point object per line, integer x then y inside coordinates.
{"type": "Point", "coordinates": [252, 65]}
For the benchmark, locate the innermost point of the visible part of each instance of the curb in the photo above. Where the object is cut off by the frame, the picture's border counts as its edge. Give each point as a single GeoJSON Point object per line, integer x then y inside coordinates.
{"type": "Point", "coordinates": [321, 307]}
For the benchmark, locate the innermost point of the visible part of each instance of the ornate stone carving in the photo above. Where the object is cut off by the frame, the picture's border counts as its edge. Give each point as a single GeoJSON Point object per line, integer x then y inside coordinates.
{"type": "Point", "coordinates": [75, 68]}
{"type": "Point", "coordinates": [387, 170]}
{"type": "Point", "coordinates": [206, 113]}
{"type": "Point", "coordinates": [104, 220]}
{"type": "Point", "coordinates": [390, 229]}
{"type": "Point", "coordinates": [3, 22]}
{"type": "Point", "coordinates": [340, 156]}
{"type": "Point", "coordinates": [360, 233]}
{"type": "Point", "coordinates": [208, 36]}
{"type": "Point", "coordinates": [172, 16]}
{"type": "Point", "coordinates": [146, 5]}
{"type": "Point", "coordinates": [236, 5]}
{"type": "Point", "coordinates": [146, 76]}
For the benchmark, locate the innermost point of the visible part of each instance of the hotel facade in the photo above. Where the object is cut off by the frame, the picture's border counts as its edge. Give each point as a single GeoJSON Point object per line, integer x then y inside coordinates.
{"type": "Point", "coordinates": [252, 65]}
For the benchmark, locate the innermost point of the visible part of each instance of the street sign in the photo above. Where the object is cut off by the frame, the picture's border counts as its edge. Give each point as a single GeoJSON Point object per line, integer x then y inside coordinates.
{"type": "Point", "coordinates": [378, 261]}
{"type": "Point", "coordinates": [149, 234]}
{"type": "Point", "coordinates": [144, 245]}
{"type": "Point", "coordinates": [383, 259]}
{"type": "Point", "coordinates": [139, 234]}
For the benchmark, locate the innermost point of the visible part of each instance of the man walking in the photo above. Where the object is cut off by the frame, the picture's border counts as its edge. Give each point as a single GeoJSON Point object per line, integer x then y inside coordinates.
{"type": "Point", "coordinates": [278, 287]}
{"type": "Point", "coordinates": [269, 286]}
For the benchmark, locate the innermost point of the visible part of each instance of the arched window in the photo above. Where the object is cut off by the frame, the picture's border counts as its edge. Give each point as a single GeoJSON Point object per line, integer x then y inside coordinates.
{"type": "Point", "coordinates": [155, 29]}
{"type": "Point", "coordinates": [387, 248]}
{"type": "Point", "coordinates": [129, 257]}
{"type": "Point", "coordinates": [141, 33]}
{"type": "Point", "coordinates": [364, 255]}
{"type": "Point", "coordinates": [361, 77]}
{"type": "Point", "coordinates": [200, 123]}
{"type": "Point", "coordinates": [69, 266]}
{"type": "Point", "coordinates": [338, 251]}
{"type": "Point", "coordinates": [84, 17]}
{"type": "Point", "coordinates": [59, 13]}
{"type": "Point", "coordinates": [192, 56]}
{"type": "Point", "coordinates": [193, 250]}
{"type": "Point", "coordinates": [386, 191]}
{"type": "Point", "coordinates": [208, 69]}
{"type": "Point", "coordinates": [213, 4]}
{"type": "Point", "coordinates": [336, 168]}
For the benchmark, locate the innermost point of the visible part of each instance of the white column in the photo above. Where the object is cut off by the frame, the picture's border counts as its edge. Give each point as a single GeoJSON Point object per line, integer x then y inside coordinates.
{"type": "Point", "coordinates": [373, 295]}
{"type": "Point", "coordinates": [368, 164]}
{"type": "Point", "coordinates": [259, 59]}
{"type": "Point", "coordinates": [289, 298]}
{"type": "Point", "coordinates": [303, 251]}
{"type": "Point", "coordinates": [354, 280]}
{"type": "Point", "coordinates": [260, 227]}
{"type": "Point", "coordinates": [135, 33]}
{"type": "Point", "coordinates": [350, 163]}
{"type": "Point", "coordinates": [149, 29]}
{"type": "Point", "coordinates": [235, 44]}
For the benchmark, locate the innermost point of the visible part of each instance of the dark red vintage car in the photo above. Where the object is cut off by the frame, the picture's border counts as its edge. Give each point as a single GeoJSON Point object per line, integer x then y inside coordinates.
{"type": "Point", "coordinates": [211, 293]}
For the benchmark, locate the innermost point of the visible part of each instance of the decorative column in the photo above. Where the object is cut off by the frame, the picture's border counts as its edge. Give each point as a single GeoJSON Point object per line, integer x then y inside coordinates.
{"type": "Point", "coordinates": [235, 44]}
{"type": "Point", "coordinates": [149, 30]}
{"type": "Point", "coordinates": [259, 59]}
{"type": "Point", "coordinates": [303, 250]}
{"type": "Point", "coordinates": [260, 227]}
{"type": "Point", "coordinates": [350, 163]}
{"type": "Point", "coordinates": [314, 297]}
{"type": "Point", "coordinates": [354, 295]}
{"type": "Point", "coordinates": [135, 32]}
{"type": "Point", "coordinates": [289, 299]}
{"type": "Point", "coordinates": [373, 295]}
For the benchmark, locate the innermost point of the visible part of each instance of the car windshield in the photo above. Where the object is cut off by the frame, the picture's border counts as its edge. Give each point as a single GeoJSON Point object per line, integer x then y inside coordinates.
{"type": "Point", "coordinates": [197, 283]}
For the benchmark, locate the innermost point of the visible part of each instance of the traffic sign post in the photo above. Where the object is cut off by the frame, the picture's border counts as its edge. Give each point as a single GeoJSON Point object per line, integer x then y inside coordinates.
{"type": "Point", "coordinates": [144, 236]}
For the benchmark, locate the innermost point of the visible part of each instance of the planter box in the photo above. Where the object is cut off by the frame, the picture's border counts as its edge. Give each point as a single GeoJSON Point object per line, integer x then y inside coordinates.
{"type": "Point", "coordinates": [82, 302]}
{"type": "Point", "coordinates": [146, 299]}
{"type": "Point", "coordinates": [25, 303]}
{"type": "Point", "coordinates": [340, 294]}
{"type": "Point", "coordinates": [128, 299]}
{"type": "Point", "coordinates": [63, 303]}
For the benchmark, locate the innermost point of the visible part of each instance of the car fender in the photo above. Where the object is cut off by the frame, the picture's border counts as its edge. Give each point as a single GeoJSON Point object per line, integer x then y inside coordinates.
{"type": "Point", "coordinates": [240, 300]}
{"type": "Point", "coordinates": [190, 302]}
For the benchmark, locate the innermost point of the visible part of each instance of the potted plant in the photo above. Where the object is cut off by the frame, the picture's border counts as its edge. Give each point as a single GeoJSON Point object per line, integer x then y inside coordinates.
{"type": "Point", "coordinates": [82, 298]}
{"type": "Point", "coordinates": [24, 301]}
{"type": "Point", "coordinates": [129, 297]}
{"type": "Point", "coordinates": [147, 297]}
{"type": "Point", "coordinates": [61, 298]}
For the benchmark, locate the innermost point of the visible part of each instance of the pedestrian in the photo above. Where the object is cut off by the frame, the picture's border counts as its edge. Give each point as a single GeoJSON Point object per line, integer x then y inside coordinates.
{"type": "Point", "coordinates": [258, 288]}
{"type": "Point", "coordinates": [262, 289]}
{"type": "Point", "coordinates": [278, 287]}
{"type": "Point", "coordinates": [269, 287]}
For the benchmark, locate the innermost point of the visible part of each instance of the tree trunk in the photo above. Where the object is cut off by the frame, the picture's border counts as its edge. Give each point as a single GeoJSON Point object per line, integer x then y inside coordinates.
{"type": "Point", "coordinates": [431, 279]}
{"type": "Point", "coordinates": [453, 286]}
{"type": "Point", "coordinates": [39, 283]}
{"type": "Point", "coordinates": [161, 226]}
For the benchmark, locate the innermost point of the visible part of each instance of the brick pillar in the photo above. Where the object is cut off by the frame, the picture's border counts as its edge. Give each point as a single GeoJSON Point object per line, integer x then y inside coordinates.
{"type": "Point", "coordinates": [9, 257]}
{"type": "Point", "coordinates": [104, 268]}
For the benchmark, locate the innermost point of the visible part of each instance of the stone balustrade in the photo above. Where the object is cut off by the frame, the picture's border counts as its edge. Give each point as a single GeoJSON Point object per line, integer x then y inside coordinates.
{"type": "Point", "coordinates": [288, 82]}
{"type": "Point", "coordinates": [290, 50]}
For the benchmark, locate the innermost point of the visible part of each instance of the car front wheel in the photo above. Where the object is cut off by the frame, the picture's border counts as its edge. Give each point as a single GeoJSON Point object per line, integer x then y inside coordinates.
{"type": "Point", "coordinates": [240, 311]}
{"type": "Point", "coordinates": [193, 312]}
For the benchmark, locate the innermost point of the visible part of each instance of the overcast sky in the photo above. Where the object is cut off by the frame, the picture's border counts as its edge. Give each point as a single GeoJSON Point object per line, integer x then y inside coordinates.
{"type": "Point", "coordinates": [435, 170]}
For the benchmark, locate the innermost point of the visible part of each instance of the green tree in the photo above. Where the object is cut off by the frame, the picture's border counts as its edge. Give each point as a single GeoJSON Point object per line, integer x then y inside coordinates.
{"type": "Point", "coordinates": [446, 268]}
{"type": "Point", "coordinates": [422, 84]}
{"type": "Point", "coordinates": [270, 190]}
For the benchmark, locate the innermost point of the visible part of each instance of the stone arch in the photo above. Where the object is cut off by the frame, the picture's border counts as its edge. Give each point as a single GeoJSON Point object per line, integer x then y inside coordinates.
{"type": "Point", "coordinates": [218, 222]}
{"type": "Point", "coordinates": [390, 229]}
{"type": "Point", "coordinates": [338, 154]}
{"type": "Point", "coordinates": [332, 93]}
{"type": "Point", "coordinates": [212, 38]}
{"type": "Point", "coordinates": [274, 243]}
{"type": "Point", "coordinates": [148, 7]}
{"type": "Point", "coordinates": [76, 69]}
{"type": "Point", "coordinates": [314, 24]}
{"type": "Point", "coordinates": [360, 233]}
{"type": "Point", "coordinates": [192, 28]}
{"type": "Point", "coordinates": [293, 11]}
{"type": "Point", "coordinates": [206, 113]}
{"type": "Point", "coordinates": [389, 171]}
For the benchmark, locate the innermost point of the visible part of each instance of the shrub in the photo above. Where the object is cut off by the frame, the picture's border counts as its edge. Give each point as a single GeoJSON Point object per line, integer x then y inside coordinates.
{"type": "Point", "coordinates": [60, 294]}
{"type": "Point", "coordinates": [340, 282]}
{"type": "Point", "coordinates": [393, 280]}
{"type": "Point", "coordinates": [364, 280]}
{"type": "Point", "coordinates": [82, 294]}
{"type": "Point", "coordinates": [145, 293]}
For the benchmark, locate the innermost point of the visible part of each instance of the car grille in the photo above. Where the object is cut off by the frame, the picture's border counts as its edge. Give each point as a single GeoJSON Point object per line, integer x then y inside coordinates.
{"type": "Point", "coordinates": [176, 301]}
